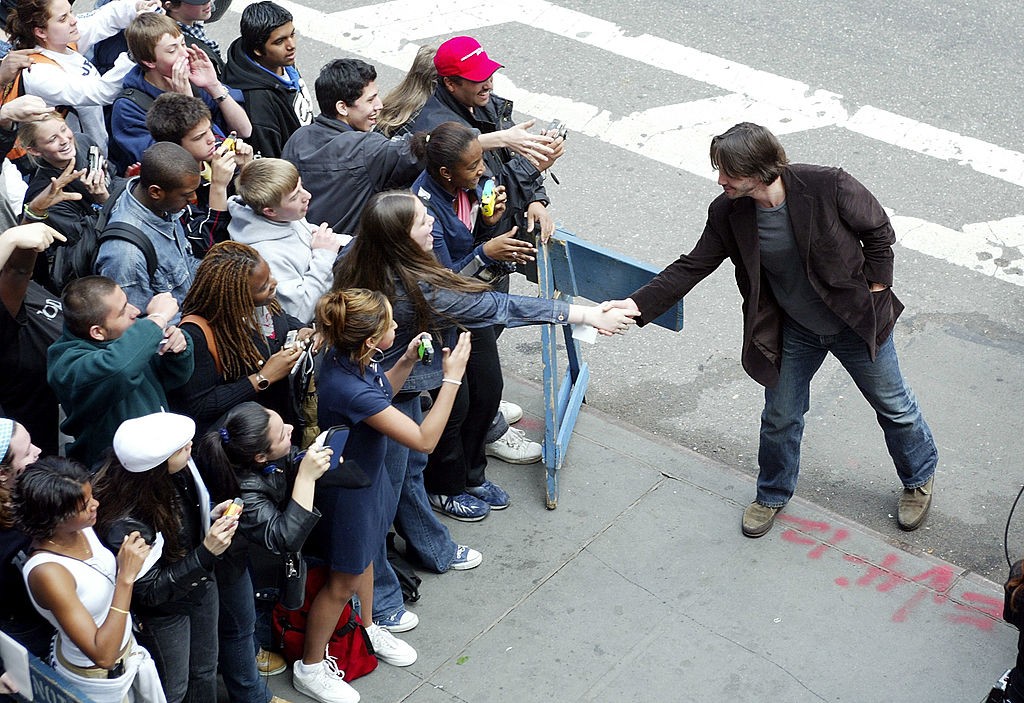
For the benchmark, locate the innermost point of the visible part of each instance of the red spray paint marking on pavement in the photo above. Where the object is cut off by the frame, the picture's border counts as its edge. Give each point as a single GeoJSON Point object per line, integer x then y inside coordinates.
{"type": "Point", "coordinates": [979, 610]}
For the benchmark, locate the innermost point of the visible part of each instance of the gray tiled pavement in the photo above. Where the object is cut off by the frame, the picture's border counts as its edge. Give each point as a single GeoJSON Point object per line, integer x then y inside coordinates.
{"type": "Point", "coordinates": [639, 587]}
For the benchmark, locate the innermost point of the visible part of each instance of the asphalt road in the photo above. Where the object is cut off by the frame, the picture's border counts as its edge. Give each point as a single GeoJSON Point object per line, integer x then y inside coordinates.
{"type": "Point", "coordinates": [952, 74]}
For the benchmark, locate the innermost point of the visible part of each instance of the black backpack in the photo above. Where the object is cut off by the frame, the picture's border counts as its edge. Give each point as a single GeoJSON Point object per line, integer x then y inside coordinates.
{"type": "Point", "coordinates": [79, 259]}
{"type": "Point", "coordinates": [118, 158]}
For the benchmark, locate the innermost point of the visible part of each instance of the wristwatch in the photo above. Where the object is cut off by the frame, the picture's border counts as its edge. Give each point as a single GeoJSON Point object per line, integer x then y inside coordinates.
{"type": "Point", "coordinates": [262, 382]}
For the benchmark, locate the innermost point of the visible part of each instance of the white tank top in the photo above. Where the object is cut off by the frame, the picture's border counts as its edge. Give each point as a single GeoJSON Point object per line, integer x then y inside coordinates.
{"type": "Point", "coordinates": [94, 586]}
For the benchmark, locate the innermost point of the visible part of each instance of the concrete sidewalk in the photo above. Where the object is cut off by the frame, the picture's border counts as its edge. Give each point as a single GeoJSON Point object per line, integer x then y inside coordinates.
{"type": "Point", "coordinates": [640, 587]}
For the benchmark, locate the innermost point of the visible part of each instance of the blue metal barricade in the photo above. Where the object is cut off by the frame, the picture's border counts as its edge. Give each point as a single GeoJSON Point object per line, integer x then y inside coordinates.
{"type": "Point", "coordinates": [568, 267]}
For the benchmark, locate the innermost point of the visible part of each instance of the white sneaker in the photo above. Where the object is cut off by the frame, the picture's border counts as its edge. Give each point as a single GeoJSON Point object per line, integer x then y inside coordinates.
{"type": "Point", "coordinates": [324, 681]}
{"type": "Point", "coordinates": [512, 412]}
{"type": "Point", "coordinates": [514, 448]}
{"type": "Point", "coordinates": [466, 558]}
{"type": "Point", "coordinates": [399, 621]}
{"type": "Point", "coordinates": [389, 649]}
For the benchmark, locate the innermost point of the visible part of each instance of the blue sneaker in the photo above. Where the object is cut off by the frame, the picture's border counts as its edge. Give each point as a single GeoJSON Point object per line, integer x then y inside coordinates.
{"type": "Point", "coordinates": [399, 621]}
{"type": "Point", "coordinates": [466, 558]}
{"type": "Point", "coordinates": [464, 506]}
{"type": "Point", "coordinates": [492, 494]}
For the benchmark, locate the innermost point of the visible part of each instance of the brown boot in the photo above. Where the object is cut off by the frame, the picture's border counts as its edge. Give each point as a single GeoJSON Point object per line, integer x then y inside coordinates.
{"type": "Point", "coordinates": [270, 663]}
{"type": "Point", "coordinates": [914, 504]}
{"type": "Point", "coordinates": [758, 519]}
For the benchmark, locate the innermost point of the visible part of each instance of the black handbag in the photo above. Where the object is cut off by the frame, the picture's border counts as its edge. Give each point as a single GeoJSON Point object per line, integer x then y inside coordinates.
{"type": "Point", "coordinates": [407, 577]}
{"type": "Point", "coordinates": [344, 473]}
{"type": "Point", "coordinates": [293, 585]}
{"type": "Point", "coordinates": [122, 527]}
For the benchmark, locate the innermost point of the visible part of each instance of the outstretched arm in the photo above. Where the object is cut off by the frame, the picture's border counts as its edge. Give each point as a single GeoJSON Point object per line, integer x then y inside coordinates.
{"type": "Point", "coordinates": [424, 437]}
{"type": "Point", "coordinates": [18, 249]}
{"type": "Point", "coordinates": [535, 147]}
{"type": "Point", "coordinates": [607, 320]}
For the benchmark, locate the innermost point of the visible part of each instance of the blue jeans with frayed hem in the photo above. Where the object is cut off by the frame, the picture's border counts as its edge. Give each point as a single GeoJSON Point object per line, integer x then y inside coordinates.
{"type": "Point", "coordinates": [427, 539]}
{"type": "Point", "coordinates": [907, 436]}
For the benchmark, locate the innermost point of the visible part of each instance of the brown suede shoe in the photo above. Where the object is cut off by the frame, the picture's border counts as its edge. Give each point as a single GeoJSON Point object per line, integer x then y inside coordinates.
{"type": "Point", "coordinates": [914, 504]}
{"type": "Point", "coordinates": [758, 519]}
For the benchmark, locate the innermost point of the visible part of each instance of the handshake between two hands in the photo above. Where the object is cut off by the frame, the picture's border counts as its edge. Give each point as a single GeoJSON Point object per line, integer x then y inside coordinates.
{"type": "Point", "coordinates": [612, 316]}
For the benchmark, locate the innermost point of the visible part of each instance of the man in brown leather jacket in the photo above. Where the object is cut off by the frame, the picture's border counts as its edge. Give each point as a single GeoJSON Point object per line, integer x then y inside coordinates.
{"type": "Point", "coordinates": [813, 255]}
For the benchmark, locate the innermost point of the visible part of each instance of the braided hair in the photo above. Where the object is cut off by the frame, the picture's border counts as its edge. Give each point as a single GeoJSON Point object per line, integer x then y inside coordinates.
{"type": "Point", "coordinates": [221, 294]}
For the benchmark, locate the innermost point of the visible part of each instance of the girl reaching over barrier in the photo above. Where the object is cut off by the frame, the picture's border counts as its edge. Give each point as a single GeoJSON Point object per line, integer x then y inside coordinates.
{"type": "Point", "coordinates": [394, 254]}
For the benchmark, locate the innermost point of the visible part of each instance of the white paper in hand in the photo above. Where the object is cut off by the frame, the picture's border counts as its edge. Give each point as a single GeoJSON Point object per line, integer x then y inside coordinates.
{"type": "Point", "coordinates": [584, 333]}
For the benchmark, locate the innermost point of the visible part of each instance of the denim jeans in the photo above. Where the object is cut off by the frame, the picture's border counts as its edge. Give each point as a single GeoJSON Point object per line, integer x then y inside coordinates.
{"type": "Point", "coordinates": [907, 436]}
{"type": "Point", "coordinates": [499, 426]}
{"type": "Point", "coordinates": [184, 647]}
{"type": "Point", "coordinates": [237, 626]}
{"type": "Point", "coordinates": [427, 540]}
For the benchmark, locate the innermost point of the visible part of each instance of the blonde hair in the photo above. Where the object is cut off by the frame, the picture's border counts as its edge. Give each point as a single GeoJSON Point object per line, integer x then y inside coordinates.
{"type": "Point", "coordinates": [264, 183]}
{"type": "Point", "coordinates": [28, 132]}
{"type": "Point", "coordinates": [348, 318]}
{"type": "Point", "coordinates": [407, 98]}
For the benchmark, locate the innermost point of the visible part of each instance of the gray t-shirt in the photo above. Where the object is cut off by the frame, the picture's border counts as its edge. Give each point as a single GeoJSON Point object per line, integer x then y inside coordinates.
{"type": "Point", "coordinates": [784, 267]}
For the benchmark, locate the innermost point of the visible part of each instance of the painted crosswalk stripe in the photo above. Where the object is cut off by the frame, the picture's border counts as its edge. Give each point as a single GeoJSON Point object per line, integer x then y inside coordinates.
{"type": "Point", "coordinates": [677, 135]}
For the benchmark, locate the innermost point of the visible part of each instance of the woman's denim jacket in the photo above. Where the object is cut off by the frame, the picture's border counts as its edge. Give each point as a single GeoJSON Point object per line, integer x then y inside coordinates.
{"type": "Point", "coordinates": [466, 309]}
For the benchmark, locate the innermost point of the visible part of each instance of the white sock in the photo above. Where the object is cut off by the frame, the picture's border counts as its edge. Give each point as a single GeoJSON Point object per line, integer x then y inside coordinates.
{"type": "Point", "coordinates": [307, 668]}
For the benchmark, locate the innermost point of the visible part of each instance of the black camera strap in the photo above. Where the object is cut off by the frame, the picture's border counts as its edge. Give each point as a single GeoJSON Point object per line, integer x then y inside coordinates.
{"type": "Point", "coordinates": [1006, 532]}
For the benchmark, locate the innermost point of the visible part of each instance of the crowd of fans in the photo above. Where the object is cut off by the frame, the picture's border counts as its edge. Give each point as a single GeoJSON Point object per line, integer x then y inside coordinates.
{"type": "Point", "coordinates": [184, 230]}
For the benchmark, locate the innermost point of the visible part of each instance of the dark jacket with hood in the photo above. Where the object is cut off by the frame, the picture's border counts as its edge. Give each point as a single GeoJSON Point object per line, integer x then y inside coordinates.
{"type": "Point", "coordinates": [269, 103]}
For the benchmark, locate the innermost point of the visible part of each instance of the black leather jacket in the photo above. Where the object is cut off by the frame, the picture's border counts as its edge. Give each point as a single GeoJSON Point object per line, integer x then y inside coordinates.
{"type": "Point", "coordinates": [171, 587]}
{"type": "Point", "coordinates": [271, 519]}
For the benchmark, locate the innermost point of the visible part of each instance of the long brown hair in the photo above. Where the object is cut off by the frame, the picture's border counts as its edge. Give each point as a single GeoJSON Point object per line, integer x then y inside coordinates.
{"type": "Point", "coordinates": [146, 495]}
{"type": "Point", "coordinates": [23, 20]}
{"type": "Point", "coordinates": [222, 295]}
{"type": "Point", "coordinates": [383, 253]}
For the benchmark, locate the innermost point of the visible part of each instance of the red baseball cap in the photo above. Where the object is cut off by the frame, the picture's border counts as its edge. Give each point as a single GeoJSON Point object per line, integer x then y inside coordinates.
{"type": "Point", "coordinates": [464, 57]}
